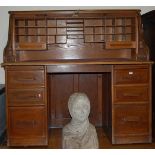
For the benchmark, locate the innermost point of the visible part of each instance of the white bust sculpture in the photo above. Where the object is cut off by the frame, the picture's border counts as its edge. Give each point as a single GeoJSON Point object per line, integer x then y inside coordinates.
{"type": "Point", "coordinates": [79, 133]}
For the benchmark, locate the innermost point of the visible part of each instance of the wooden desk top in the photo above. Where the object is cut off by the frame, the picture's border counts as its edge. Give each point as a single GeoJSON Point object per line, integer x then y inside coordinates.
{"type": "Point", "coordinates": [46, 63]}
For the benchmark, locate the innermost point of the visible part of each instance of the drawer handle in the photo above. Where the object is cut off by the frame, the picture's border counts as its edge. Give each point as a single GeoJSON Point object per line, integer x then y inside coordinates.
{"type": "Point", "coordinates": [26, 79]}
{"type": "Point", "coordinates": [27, 123]}
{"type": "Point", "coordinates": [35, 96]}
{"type": "Point", "coordinates": [131, 77]}
{"type": "Point", "coordinates": [39, 95]}
{"type": "Point", "coordinates": [131, 119]}
{"type": "Point", "coordinates": [130, 73]}
{"type": "Point", "coordinates": [131, 94]}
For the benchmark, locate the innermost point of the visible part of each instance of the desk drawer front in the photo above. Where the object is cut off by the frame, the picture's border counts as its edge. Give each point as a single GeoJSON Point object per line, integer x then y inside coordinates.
{"type": "Point", "coordinates": [131, 76]}
{"type": "Point", "coordinates": [26, 96]}
{"type": "Point", "coordinates": [20, 79]}
{"type": "Point", "coordinates": [26, 122]}
{"type": "Point", "coordinates": [131, 119]}
{"type": "Point", "coordinates": [131, 94]}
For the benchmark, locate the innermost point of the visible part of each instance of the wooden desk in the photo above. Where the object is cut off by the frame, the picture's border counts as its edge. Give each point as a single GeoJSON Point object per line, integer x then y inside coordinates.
{"type": "Point", "coordinates": [52, 54]}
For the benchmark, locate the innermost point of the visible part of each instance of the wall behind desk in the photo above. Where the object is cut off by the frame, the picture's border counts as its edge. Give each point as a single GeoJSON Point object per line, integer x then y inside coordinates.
{"type": "Point", "coordinates": [4, 21]}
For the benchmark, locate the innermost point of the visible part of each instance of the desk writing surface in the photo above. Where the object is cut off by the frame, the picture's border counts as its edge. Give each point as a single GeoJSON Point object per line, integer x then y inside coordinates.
{"type": "Point", "coordinates": [46, 63]}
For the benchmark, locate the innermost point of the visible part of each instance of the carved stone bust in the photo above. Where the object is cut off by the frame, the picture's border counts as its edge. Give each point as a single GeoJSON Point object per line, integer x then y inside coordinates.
{"type": "Point", "coordinates": [79, 133]}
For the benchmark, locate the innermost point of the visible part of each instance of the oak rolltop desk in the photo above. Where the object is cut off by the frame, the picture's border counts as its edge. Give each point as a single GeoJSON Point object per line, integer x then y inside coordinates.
{"type": "Point", "coordinates": [51, 54]}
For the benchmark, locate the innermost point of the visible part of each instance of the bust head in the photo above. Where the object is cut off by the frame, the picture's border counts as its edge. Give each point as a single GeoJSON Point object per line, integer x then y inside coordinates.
{"type": "Point", "coordinates": [79, 107]}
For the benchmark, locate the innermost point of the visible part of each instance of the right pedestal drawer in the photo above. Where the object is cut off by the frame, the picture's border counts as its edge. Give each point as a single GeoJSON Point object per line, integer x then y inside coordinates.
{"type": "Point", "coordinates": [131, 104]}
{"type": "Point", "coordinates": [131, 74]}
{"type": "Point", "coordinates": [131, 120]}
{"type": "Point", "coordinates": [131, 94]}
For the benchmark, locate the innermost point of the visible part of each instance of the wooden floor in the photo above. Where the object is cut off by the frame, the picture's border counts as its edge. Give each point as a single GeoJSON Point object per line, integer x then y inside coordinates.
{"type": "Point", "coordinates": [55, 137]}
